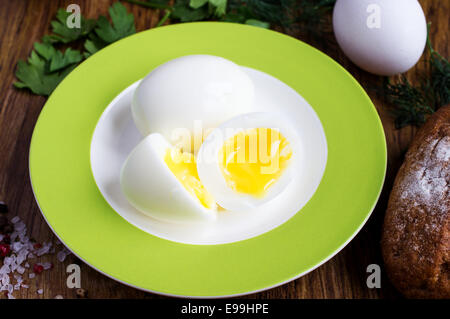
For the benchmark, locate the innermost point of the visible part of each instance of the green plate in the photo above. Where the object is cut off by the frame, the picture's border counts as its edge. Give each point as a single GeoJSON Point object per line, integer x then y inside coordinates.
{"type": "Point", "coordinates": [76, 211]}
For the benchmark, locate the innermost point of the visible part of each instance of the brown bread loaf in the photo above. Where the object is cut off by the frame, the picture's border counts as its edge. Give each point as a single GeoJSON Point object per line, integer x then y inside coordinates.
{"type": "Point", "coordinates": [416, 237]}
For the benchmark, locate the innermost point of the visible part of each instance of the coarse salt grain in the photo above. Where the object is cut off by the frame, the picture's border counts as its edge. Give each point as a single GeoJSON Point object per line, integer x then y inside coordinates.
{"type": "Point", "coordinates": [5, 280]}
{"type": "Point", "coordinates": [44, 250]}
{"type": "Point", "coordinates": [62, 254]}
{"type": "Point", "coordinates": [47, 266]}
{"type": "Point", "coordinates": [16, 246]}
{"type": "Point", "coordinates": [15, 219]}
{"type": "Point", "coordinates": [22, 249]}
{"type": "Point", "coordinates": [18, 277]}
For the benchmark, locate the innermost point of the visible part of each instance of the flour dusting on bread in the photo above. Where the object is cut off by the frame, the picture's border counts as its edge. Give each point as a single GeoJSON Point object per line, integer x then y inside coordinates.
{"type": "Point", "coordinates": [416, 234]}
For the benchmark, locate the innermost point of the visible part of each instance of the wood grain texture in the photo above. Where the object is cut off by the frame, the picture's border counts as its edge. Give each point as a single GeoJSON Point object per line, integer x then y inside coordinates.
{"type": "Point", "coordinates": [24, 22]}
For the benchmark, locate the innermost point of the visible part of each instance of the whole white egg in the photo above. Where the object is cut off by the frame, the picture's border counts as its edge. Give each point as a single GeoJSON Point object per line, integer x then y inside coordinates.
{"type": "Point", "coordinates": [384, 37]}
{"type": "Point", "coordinates": [191, 92]}
{"type": "Point", "coordinates": [213, 177]}
{"type": "Point", "coordinates": [152, 188]}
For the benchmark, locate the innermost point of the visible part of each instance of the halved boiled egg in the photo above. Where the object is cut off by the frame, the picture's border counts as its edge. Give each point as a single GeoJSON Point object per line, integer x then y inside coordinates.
{"type": "Point", "coordinates": [162, 181]}
{"type": "Point", "coordinates": [249, 160]}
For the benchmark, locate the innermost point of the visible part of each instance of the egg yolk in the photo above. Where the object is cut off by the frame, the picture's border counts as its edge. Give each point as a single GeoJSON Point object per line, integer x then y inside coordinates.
{"type": "Point", "coordinates": [183, 166]}
{"type": "Point", "coordinates": [252, 160]}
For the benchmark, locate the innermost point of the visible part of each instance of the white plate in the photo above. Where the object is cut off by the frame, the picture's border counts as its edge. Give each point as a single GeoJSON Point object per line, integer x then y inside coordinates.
{"type": "Point", "coordinates": [116, 135]}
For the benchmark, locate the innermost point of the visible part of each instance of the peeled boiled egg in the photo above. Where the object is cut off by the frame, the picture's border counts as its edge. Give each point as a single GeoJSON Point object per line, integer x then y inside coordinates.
{"type": "Point", "coordinates": [384, 37]}
{"type": "Point", "coordinates": [162, 181]}
{"type": "Point", "coordinates": [185, 97]}
{"type": "Point", "coordinates": [249, 160]}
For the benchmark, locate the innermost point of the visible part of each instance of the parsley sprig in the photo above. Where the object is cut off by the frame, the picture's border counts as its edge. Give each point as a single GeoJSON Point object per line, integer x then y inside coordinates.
{"type": "Point", "coordinates": [106, 33]}
{"type": "Point", "coordinates": [48, 64]}
{"type": "Point", "coordinates": [35, 75]}
{"type": "Point", "coordinates": [63, 34]}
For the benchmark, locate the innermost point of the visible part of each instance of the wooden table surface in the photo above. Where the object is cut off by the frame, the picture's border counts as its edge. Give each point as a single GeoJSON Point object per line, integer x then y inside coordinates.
{"type": "Point", "coordinates": [344, 276]}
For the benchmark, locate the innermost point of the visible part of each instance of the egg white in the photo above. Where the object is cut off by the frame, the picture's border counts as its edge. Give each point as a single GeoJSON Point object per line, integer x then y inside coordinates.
{"type": "Point", "coordinates": [208, 160]}
{"type": "Point", "coordinates": [153, 189]}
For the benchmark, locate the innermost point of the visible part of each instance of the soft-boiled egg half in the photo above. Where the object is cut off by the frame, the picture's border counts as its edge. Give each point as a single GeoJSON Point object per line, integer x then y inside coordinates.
{"type": "Point", "coordinates": [187, 96]}
{"type": "Point", "coordinates": [162, 181]}
{"type": "Point", "coordinates": [249, 160]}
{"type": "Point", "coordinates": [245, 160]}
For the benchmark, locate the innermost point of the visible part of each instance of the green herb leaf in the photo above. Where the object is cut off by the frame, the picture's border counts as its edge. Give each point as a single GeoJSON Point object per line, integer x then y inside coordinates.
{"type": "Point", "coordinates": [440, 78]}
{"type": "Point", "coordinates": [46, 50]}
{"type": "Point", "coordinates": [93, 44]}
{"type": "Point", "coordinates": [237, 14]}
{"type": "Point", "coordinates": [183, 12]}
{"type": "Point", "coordinates": [155, 4]}
{"type": "Point", "coordinates": [55, 58]}
{"type": "Point", "coordinates": [61, 60]}
{"type": "Point", "coordinates": [162, 2]}
{"type": "Point", "coordinates": [258, 23]}
{"type": "Point", "coordinates": [411, 105]}
{"type": "Point", "coordinates": [272, 11]}
{"type": "Point", "coordinates": [234, 17]}
{"type": "Point", "coordinates": [64, 34]}
{"type": "Point", "coordinates": [215, 7]}
{"type": "Point", "coordinates": [219, 7]}
{"type": "Point", "coordinates": [260, 13]}
{"type": "Point", "coordinates": [47, 66]}
{"type": "Point", "coordinates": [33, 75]}
{"type": "Point", "coordinates": [195, 4]}
{"type": "Point", "coordinates": [122, 24]}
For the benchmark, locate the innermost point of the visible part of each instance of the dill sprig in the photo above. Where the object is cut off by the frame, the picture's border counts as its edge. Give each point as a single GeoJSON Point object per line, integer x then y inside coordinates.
{"type": "Point", "coordinates": [440, 78]}
{"type": "Point", "coordinates": [412, 104]}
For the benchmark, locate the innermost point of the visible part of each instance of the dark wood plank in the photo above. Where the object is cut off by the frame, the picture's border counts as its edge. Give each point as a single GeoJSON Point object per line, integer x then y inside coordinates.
{"type": "Point", "coordinates": [24, 22]}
